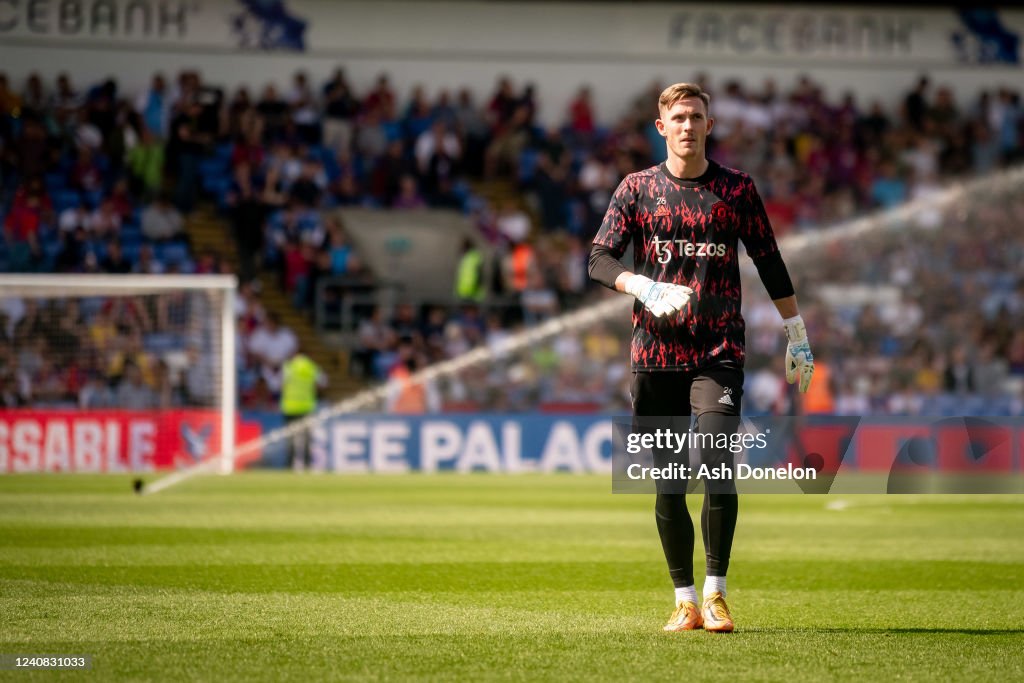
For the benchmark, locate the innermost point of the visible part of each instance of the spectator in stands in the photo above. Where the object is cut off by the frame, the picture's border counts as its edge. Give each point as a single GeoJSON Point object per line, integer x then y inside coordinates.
{"type": "Point", "coordinates": [31, 149]}
{"type": "Point", "coordinates": [915, 104]}
{"type": "Point", "coordinates": [248, 308]}
{"type": "Point", "coordinates": [240, 117]}
{"type": "Point", "coordinates": [147, 263]}
{"type": "Point", "coordinates": [438, 138]}
{"type": "Point", "coordinates": [96, 394]}
{"type": "Point", "coordinates": [114, 262]}
{"type": "Point", "coordinates": [309, 187]}
{"type": "Point", "coordinates": [87, 134]}
{"type": "Point", "coordinates": [187, 145]}
{"type": "Point", "coordinates": [388, 170]}
{"type": "Point", "coordinates": [371, 138]}
{"type": "Point", "coordinates": [581, 115]}
{"type": "Point", "coordinates": [512, 222]}
{"type": "Point", "coordinates": [417, 118]}
{"type": "Point", "coordinates": [105, 221]}
{"type": "Point", "coordinates": [343, 260]}
{"type": "Point", "coordinates": [154, 106]}
{"type": "Point", "coordinates": [31, 211]}
{"type": "Point", "coordinates": [146, 165]}
{"type": "Point", "coordinates": [510, 139]}
{"type": "Point", "coordinates": [552, 180]}
{"type": "Point", "coordinates": [408, 196]}
{"type": "Point", "coordinates": [248, 211]}
{"type": "Point", "coordinates": [201, 377]}
{"type": "Point", "coordinates": [132, 392]}
{"type": "Point", "coordinates": [86, 174]}
{"type": "Point", "coordinates": [271, 344]}
{"type": "Point", "coordinates": [381, 100]}
{"type": "Point", "coordinates": [74, 218]}
{"type": "Point", "coordinates": [305, 116]}
{"type": "Point", "coordinates": [539, 302]}
{"type": "Point", "coordinates": [474, 130]}
{"type": "Point", "coordinates": [888, 189]}
{"type": "Point", "coordinates": [340, 111]}
{"type": "Point", "coordinates": [161, 221]}
{"type": "Point", "coordinates": [373, 338]}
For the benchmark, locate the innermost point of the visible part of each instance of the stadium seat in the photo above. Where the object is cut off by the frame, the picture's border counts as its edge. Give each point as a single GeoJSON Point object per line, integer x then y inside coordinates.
{"type": "Point", "coordinates": [213, 176]}
{"type": "Point", "coordinates": [55, 182]}
{"type": "Point", "coordinates": [130, 231]}
{"type": "Point", "coordinates": [65, 199]}
{"type": "Point", "coordinates": [93, 198]}
{"type": "Point", "coordinates": [224, 151]}
{"type": "Point", "coordinates": [528, 159]}
{"type": "Point", "coordinates": [162, 342]}
{"type": "Point", "coordinates": [131, 251]}
{"type": "Point", "coordinates": [171, 252]}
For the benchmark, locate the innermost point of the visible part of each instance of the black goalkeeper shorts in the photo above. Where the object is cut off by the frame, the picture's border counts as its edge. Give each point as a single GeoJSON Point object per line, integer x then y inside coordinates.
{"type": "Point", "coordinates": [668, 400]}
{"type": "Point", "coordinates": [717, 390]}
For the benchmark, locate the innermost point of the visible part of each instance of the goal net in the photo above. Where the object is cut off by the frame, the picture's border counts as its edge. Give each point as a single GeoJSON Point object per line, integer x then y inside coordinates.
{"type": "Point", "coordinates": [108, 373]}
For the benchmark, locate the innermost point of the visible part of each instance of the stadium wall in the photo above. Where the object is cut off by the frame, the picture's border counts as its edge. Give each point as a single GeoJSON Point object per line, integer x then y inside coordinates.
{"type": "Point", "coordinates": [618, 49]}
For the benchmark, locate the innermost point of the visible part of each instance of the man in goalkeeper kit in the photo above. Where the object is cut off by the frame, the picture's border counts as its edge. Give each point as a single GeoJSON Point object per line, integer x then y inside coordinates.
{"type": "Point", "coordinates": [686, 218]}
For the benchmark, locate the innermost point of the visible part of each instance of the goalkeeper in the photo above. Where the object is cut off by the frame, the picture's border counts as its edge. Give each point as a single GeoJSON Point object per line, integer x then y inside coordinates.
{"type": "Point", "coordinates": [685, 218]}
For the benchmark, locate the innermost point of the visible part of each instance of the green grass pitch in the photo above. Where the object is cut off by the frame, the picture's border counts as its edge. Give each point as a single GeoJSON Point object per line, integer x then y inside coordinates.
{"type": "Point", "coordinates": [273, 576]}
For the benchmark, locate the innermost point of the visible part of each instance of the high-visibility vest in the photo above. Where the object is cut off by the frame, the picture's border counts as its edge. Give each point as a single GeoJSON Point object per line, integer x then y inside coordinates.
{"type": "Point", "coordinates": [412, 396]}
{"type": "Point", "coordinates": [522, 256]}
{"type": "Point", "coordinates": [298, 386]}
{"type": "Point", "coordinates": [818, 398]}
{"type": "Point", "coordinates": [468, 277]}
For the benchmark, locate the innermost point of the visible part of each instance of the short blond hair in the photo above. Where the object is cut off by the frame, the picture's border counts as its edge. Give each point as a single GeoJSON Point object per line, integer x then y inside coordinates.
{"type": "Point", "coordinates": [680, 91]}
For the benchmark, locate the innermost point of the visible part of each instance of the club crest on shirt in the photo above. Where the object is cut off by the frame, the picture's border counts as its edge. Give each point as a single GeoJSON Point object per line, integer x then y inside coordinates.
{"type": "Point", "coordinates": [721, 212]}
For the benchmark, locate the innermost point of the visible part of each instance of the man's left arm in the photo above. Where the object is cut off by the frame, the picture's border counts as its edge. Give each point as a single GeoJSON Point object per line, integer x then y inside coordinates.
{"type": "Point", "coordinates": [759, 240]}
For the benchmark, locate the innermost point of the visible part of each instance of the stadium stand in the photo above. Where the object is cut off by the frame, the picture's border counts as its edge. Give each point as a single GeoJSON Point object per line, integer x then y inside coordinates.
{"type": "Point", "coordinates": [93, 181]}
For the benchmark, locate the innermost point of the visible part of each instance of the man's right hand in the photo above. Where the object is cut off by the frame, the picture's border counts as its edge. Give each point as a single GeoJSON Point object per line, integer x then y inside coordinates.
{"type": "Point", "coordinates": [660, 298]}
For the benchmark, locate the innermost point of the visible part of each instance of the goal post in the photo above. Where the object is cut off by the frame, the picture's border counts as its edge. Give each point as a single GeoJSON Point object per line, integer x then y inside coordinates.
{"type": "Point", "coordinates": [202, 320]}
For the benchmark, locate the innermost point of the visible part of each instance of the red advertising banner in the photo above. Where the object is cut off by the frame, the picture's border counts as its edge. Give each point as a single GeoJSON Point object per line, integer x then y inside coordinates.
{"type": "Point", "coordinates": [110, 440]}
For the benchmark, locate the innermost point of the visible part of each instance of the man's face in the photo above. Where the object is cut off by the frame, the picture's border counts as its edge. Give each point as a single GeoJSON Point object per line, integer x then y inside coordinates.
{"type": "Point", "coordinates": [685, 126]}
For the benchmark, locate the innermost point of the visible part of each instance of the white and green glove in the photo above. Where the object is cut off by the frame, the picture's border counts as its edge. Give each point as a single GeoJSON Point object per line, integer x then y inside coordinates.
{"type": "Point", "coordinates": [799, 359]}
{"type": "Point", "coordinates": [660, 298]}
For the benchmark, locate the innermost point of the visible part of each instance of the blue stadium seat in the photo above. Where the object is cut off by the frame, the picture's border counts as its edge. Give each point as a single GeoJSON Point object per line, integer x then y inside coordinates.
{"type": "Point", "coordinates": [213, 173]}
{"type": "Point", "coordinates": [171, 252]}
{"type": "Point", "coordinates": [66, 199]}
{"type": "Point", "coordinates": [130, 231]}
{"type": "Point", "coordinates": [93, 198]}
{"type": "Point", "coordinates": [131, 250]}
{"type": "Point", "coordinates": [161, 342]}
{"type": "Point", "coordinates": [131, 241]}
{"type": "Point", "coordinates": [528, 159]}
{"type": "Point", "coordinates": [393, 130]}
{"type": "Point", "coordinates": [55, 182]}
{"type": "Point", "coordinates": [224, 151]}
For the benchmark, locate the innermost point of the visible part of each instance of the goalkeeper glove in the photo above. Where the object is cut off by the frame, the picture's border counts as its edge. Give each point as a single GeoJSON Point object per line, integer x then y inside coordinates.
{"type": "Point", "coordinates": [799, 359]}
{"type": "Point", "coordinates": [660, 298]}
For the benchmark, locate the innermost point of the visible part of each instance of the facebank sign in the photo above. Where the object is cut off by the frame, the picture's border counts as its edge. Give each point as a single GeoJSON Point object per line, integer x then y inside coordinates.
{"type": "Point", "coordinates": [269, 25]}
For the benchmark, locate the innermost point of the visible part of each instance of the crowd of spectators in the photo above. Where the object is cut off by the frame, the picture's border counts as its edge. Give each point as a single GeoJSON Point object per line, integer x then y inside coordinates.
{"type": "Point", "coordinates": [98, 182]}
{"type": "Point", "coordinates": [816, 163]}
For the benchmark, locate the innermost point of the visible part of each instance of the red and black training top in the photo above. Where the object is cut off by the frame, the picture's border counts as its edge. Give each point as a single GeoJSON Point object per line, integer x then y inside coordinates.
{"type": "Point", "coordinates": [687, 232]}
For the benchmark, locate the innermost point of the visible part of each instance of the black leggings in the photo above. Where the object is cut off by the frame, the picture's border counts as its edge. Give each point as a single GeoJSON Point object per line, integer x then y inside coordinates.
{"type": "Point", "coordinates": [714, 395]}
